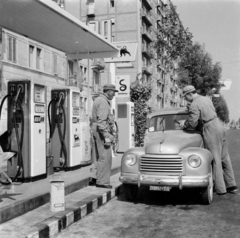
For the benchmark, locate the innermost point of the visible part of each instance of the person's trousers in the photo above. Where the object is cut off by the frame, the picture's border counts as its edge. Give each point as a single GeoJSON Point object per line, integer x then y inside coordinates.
{"type": "Point", "coordinates": [103, 159]}
{"type": "Point", "coordinates": [214, 136]}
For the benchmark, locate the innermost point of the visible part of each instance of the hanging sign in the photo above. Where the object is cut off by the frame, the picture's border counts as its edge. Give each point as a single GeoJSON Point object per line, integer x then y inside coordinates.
{"type": "Point", "coordinates": [123, 85]}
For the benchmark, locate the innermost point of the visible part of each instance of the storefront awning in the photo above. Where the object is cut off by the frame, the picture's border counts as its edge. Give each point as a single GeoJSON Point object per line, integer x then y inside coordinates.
{"type": "Point", "coordinates": [45, 22]}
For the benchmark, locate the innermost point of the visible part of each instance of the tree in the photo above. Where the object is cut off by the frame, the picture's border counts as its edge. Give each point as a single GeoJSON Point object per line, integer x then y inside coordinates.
{"type": "Point", "coordinates": [221, 108]}
{"type": "Point", "coordinates": [140, 94]}
{"type": "Point", "coordinates": [172, 38]}
{"type": "Point", "coordinates": [196, 67]}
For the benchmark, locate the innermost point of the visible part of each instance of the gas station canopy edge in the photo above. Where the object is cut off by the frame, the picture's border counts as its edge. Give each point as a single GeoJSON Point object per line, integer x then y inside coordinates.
{"type": "Point", "coordinates": [47, 23]}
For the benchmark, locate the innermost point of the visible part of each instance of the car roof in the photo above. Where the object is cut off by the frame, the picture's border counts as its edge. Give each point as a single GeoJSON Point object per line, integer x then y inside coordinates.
{"type": "Point", "coordinates": [167, 111]}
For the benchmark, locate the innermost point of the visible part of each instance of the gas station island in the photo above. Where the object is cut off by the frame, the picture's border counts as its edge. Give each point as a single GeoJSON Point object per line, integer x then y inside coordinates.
{"type": "Point", "coordinates": [41, 113]}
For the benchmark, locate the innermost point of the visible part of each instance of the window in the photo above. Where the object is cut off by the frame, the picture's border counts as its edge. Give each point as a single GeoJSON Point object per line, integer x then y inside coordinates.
{"type": "Point", "coordinates": [12, 47]}
{"type": "Point", "coordinates": [105, 29]}
{"type": "Point", "coordinates": [70, 68]}
{"type": "Point", "coordinates": [31, 53]}
{"type": "Point", "coordinates": [39, 58]}
{"type": "Point", "coordinates": [111, 3]}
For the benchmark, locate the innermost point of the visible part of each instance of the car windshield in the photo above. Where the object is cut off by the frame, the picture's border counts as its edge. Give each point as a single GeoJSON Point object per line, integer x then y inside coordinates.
{"type": "Point", "coordinates": [170, 122]}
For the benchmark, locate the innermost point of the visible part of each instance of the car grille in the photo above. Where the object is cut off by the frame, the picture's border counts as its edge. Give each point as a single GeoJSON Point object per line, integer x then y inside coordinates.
{"type": "Point", "coordinates": [157, 164]}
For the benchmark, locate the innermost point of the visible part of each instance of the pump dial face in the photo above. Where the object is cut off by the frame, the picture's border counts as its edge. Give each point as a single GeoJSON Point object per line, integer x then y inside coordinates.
{"type": "Point", "coordinates": [39, 94]}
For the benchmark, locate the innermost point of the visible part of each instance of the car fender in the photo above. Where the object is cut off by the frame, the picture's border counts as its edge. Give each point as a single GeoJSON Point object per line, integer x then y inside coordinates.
{"type": "Point", "coordinates": [206, 160]}
{"type": "Point", "coordinates": [137, 151]}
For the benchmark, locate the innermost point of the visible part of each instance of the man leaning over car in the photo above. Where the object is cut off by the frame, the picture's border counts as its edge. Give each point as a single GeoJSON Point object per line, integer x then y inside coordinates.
{"type": "Point", "coordinates": [214, 135]}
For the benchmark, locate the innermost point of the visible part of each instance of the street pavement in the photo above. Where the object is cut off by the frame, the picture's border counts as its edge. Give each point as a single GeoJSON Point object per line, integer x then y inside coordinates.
{"type": "Point", "coordinates": [166, 215]}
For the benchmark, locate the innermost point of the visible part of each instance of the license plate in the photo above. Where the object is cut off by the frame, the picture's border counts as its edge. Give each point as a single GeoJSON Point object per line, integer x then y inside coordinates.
{"type": "Point", "coordinates": [160, 188]}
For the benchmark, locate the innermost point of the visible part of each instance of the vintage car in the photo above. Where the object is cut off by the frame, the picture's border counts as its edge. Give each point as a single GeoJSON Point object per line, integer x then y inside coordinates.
{"type": "Point", "coordinates": [171, 158]}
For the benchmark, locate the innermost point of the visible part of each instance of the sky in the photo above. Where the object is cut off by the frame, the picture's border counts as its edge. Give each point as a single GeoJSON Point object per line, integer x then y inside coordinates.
{"type": "Point", "coordinates": [216, 24]}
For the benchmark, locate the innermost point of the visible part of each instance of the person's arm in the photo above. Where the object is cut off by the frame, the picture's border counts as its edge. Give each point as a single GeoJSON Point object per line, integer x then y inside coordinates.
{"type": "Point", "coordinates": [193, 117]}
{"type": "Point", "coordinates": [102, 120]}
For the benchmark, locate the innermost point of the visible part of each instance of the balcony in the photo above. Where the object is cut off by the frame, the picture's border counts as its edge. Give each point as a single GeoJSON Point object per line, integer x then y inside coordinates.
{"type": "Point", "coordinates": [174, 88]}
{"type": "Point", "coordinates": [147, 69]}
{"type": "Point", "coordinates": [147, 35]}
{"type": "Point", "coordinates": [91, 10]}
{"type": "Point", "coordinates": [147, 52]}
{"type": "Point", "coordinates": [147, 4]}
{"type": "Point", "coordinates": [147, 17]}
{"type": "Point", "coordinates": [98, 64]}
{"type": "Point", "coordinates": [160, 95]}
{"type": "Point", "coordinates": [96, 89]}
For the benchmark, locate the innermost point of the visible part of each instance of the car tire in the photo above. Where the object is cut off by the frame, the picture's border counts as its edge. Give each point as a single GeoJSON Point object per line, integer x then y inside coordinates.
{"type": "Point", "coordinates": [130, 191]}
{"type": "Point", "coordinates": [207, 195]}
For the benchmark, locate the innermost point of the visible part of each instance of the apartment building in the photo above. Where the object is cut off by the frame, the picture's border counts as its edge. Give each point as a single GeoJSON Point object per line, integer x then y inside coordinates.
{"type": "Point", "coordinates": [131, 22]}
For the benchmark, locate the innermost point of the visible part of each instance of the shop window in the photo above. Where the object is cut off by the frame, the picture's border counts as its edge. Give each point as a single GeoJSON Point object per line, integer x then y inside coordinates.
{"type": "Point", "coordinates": [12, 49]}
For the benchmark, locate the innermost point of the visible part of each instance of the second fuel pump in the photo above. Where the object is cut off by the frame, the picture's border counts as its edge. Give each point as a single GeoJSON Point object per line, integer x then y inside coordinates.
{"type": "Point", "coordinates": [65, 128]}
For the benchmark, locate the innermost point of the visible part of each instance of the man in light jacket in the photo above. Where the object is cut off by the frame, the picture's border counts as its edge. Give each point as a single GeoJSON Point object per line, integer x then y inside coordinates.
{"type": "Point", "coordinates": [214, 135]}
{"type": "Point", "coordinates": [102, 123]}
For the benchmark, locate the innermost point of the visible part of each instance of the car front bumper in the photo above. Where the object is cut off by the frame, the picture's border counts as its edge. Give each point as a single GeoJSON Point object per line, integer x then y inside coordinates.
{"type": "Point", "coordinates": [179, 181]}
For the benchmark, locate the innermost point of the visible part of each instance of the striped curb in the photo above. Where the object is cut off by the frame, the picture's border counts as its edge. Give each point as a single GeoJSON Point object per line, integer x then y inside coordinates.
{"type": "Point", "coordinates": [73, 213]}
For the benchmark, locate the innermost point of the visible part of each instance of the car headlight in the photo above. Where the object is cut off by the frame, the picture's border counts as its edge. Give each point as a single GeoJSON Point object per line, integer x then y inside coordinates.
{"type": "Point", "coordinates": [130, 159]}
{"type": "Point", "coordinates": [194, 161]}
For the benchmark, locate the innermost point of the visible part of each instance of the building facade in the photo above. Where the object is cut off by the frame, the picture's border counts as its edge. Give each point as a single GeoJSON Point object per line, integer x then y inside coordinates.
{"type": "Point", "coordinates": [129, 22]}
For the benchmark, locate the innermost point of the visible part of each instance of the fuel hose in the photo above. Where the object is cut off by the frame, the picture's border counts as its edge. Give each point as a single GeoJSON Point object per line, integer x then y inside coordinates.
{"type": "Point", "coordinates": [63, 149]}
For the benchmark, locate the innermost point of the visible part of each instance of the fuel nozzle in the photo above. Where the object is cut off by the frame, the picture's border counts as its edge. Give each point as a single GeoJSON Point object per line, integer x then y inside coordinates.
{"type": "Point", "coordinates": [61, 96]}
{"type": "Point", "coordinates": [15, 99]}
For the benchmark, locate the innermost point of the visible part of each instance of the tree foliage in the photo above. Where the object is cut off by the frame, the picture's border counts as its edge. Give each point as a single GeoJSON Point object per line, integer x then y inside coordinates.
{"type": "Point", "coordinates": [196, 67]}
{"type": "Point", "coordinates": [172, 38]}
{"type": "Point", "coordinates": [221, 108]}
{"type": "Point", "coordinates": [140, 94]}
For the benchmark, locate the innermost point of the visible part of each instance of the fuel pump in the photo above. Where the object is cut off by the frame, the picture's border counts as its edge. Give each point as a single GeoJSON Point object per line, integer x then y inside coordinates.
{"type": "Point", "coordinates": [125, 122]}
{"type": "Point", "coordinates": [26, 124]}
{"type": "Point", "coordinates": [64, 123]}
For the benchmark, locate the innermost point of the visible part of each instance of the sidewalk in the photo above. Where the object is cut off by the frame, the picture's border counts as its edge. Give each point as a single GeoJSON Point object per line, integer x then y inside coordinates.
{"type": "Point", "coordinates": [41, 222]}
{"type": "Point", "coordinates": [21, 198]}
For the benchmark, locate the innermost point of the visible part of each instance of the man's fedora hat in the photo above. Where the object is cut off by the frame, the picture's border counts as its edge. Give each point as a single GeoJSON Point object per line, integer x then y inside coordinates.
{"type": "Point", "coordinates": [188, 89]}
{"type": "Point", "coordinates": [110, 87]}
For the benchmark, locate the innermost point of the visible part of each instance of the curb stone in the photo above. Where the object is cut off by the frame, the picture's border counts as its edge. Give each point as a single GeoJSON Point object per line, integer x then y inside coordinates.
{"type": "Point", "coordinates": [61, 220]}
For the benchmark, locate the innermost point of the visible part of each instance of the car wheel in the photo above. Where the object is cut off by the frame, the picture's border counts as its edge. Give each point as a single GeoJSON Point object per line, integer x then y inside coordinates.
{"type": "Point", "coordinates": [207, 195]}
{"type": "Point", "coordinates": [130, 191]}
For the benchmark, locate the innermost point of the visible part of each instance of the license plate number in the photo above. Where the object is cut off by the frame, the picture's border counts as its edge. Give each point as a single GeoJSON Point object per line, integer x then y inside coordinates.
{"type": "Point", "coordinates": [160, 188]}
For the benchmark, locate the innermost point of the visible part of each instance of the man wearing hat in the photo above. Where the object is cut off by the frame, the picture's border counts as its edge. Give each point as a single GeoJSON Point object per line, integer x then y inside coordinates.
{"type": "Point", "coordinates": [201, 109]}
{"type": "Point", "coordinates": [102, 123]}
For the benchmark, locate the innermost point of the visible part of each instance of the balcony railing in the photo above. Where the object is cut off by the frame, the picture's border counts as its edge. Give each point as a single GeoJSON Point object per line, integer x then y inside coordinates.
{"type": "Point", "coordinates": [147, 4]}
{"type": "Point", "coordinates": [147, 17]}
{"type": "Point", "coordinates": [98, 63]}
{"type": "Point", "coordinates": [96, 88]}
{"type": "Point", "coordinates": [147, 34]}
{"type": "Point", "coordinates": [147, 69]}
{"type": "Point", "coordinates": [147, 51]}
{"type": "Point", "coordinates": [160, 94]}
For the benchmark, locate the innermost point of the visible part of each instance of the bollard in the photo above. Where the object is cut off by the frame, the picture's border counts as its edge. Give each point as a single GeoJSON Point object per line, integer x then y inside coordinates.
{"type": "Point", "coordinates": [57, 201]}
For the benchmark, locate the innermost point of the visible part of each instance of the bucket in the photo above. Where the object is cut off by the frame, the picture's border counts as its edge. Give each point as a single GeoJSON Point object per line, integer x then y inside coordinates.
{"type": "Point", "coordinates": [57, 200]}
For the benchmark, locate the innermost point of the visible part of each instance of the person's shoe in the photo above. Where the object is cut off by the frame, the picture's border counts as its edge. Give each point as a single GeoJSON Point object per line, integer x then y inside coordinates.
{"type": "Point", "coordinates": [232, 189]}
{"type": "Point", "coordinates": [92, 182]}
{"type": "Point", "coordinates": [221, 194]}
{"type": "Point", "coordinates": [103, 186]}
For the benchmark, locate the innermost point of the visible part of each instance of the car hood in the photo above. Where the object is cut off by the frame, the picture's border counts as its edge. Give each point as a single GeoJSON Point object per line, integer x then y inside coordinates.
{"type": "Point", "coordinates": [171, 142]}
